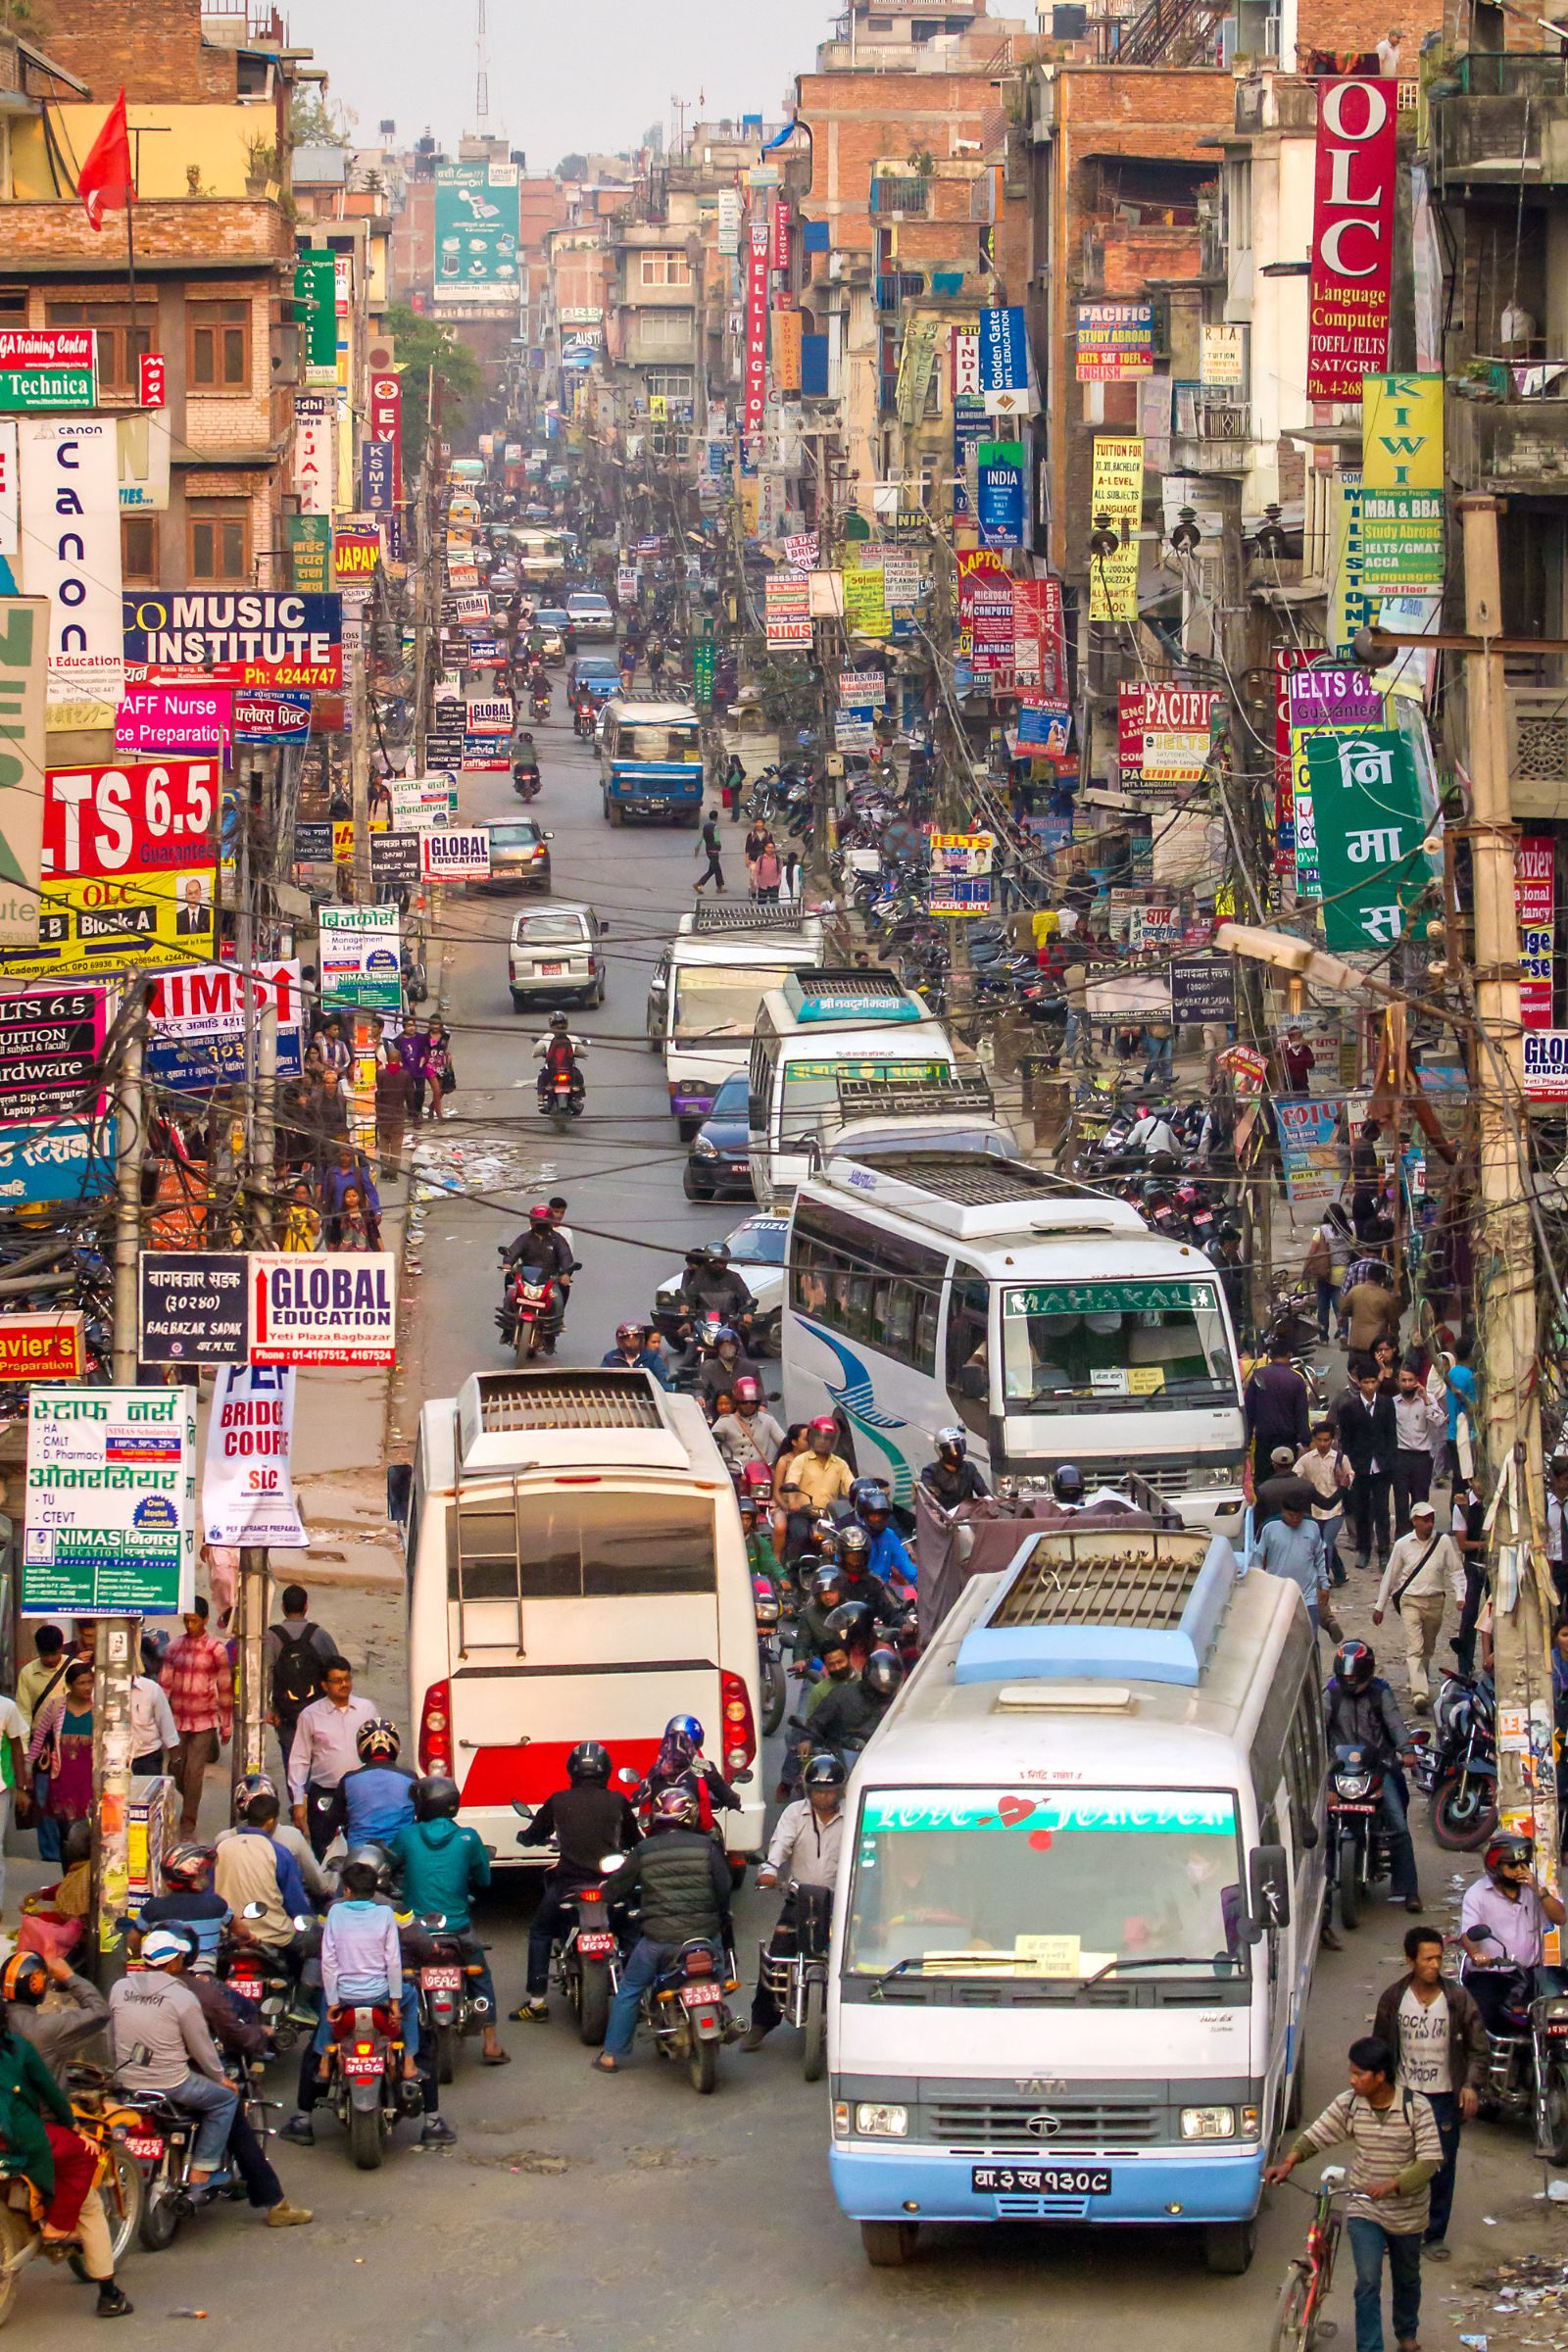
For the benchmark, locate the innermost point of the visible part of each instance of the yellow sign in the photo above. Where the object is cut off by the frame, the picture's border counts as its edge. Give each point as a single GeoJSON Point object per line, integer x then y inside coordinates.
{"type": "Point", "coordinates": [866, 603]}
{"type": "Point", "coordinates": [342, 839]}
{"type": "Point", "coordinates": [1401, 432]}
{"type": "Point", "coordinates": [1116, 491]}
{"type": "Point", "coordinates": [93, 925]}
{"type": "Point", "coordinates": [788, 330]}
{"type": "Point", "coordinates": [658, 407]}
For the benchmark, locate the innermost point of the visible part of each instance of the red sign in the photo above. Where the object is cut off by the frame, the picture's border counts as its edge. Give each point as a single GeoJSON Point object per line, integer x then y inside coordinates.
{"type": "Point", "coordinates": [1352, 239]}
{"type": "Point", "coordinates": [386, 423]}
{"type": "Point", "coordinates": [46, 347]}
{"type": "Point", "coordinates": [152, 388]}
{"type": "Point", "coordinates": [782, 216]}
{"type": "Point", "coordinates": [1038, 631]}
{"type": "Point", "coordinates": [755, 395]}
{"type": "Point", "coordinates": [1286, 658]}
{"type": "Point", "coordinates": [46, 1347]}
{"type": "Point", "coordinates": [99, 822]}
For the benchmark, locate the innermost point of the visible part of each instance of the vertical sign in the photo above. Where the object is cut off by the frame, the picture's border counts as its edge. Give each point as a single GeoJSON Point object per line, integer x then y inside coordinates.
{"type": "Point", "coordinates": [1401, 484]}
{"type": "Point", "coordinates": [10, 526]}
{"type": "Point", "coordinates": [70, 532]}
{"type": "Point", "coordinates": [1000, 500]}
{"type": "Point", "coordinates": [315, 467]}
{"type": "Point", "coordinates": [754, 401]}
{"type": "Point", "coordinates": [386, 423]}
{"type": "Point", "coordinates": [1352, 239]}
{"type": "Point", "coordinates": [316, 305]}
{"type": "Point", "coordinates": [788, 331]}
{"type": "Point", "coordinates": [24, 646]}
{"type": "Point", "coordinates": [1535, 893]}
{"type": "Point", "coordinates": [1116, 490]}
{"type": "Point", "coordinates": [782, 216]}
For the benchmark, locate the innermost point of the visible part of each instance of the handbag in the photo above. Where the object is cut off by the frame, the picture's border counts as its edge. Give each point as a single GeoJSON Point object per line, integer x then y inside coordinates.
{"type": "Point", "coordinates": [1395, 1598]}
{"type": "Point", "coordinates": [1318, 1265]}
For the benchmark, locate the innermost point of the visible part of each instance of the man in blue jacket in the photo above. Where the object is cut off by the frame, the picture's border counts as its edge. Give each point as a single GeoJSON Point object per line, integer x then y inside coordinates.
{"type": "Point", "coordinates": [378, 1799]}
{"type": "Point", "coordinates": [444, 1865]}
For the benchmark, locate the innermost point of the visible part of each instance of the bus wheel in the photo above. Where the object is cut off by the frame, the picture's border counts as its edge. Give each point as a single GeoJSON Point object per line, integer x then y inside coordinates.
{"type": "Point", "coordinates": [889, 2245]}
{"type": "Point", "coordinates": [1229, 2248]}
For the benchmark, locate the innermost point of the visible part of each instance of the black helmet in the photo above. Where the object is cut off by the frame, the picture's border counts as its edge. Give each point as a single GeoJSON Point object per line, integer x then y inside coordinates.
{"type": "Point", "coordinates": [1354, 1664]}
{"type": "Point", "coordinates": [852, 1621]}
{"type": "Point", "coordinates": [854, 1544]}
{"type": "Point", "coordinates": [559, 1020]}
{"type": "Point", "coordinates": [1067, 1484]}
{"type": "Point", "coordinates": [589, 1760]}
{"type": "Point", "coordinates": [377, 1741]}
{"type": "Point", "coordinates": [436, 1797]}
{"type": "Point", "coordinates": [823, 1772]}
{"type": "Point", "coordinates": [826, 1582]}
{"type": "Point", "coordinates": [884, 1672]}
{"type": "Point", "coordinates": [1507, 1845]}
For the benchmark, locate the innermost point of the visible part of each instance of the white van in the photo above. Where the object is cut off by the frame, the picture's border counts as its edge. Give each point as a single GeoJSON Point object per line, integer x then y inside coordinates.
{"type": "Point", "coordinates": [929, 1286]}
{"type": "Point", "coordinates": [576, 1571]}
{"type": "Point", "coordinates": [1078, 1909]}
{"type": "Point", "coordinates": [707, 988]}
{"type": "Point", "coordinates": [820, 1027]}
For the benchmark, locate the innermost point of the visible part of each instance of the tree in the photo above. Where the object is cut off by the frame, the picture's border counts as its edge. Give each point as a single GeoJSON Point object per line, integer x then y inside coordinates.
{"type": "Point", "coordinates": [424, 344]}
{"type": "Point", "coordinates": [573, 166]}
{"type": "Point", "coordinates": [314, 123]}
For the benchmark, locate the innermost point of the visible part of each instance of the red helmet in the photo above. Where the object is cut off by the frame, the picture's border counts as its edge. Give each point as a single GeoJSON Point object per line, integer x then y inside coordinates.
{"type": "Point", "coordinates": [748, 1391]}
{"type": "Point", "coordinates": [540, 1216]}
{"type": "Point", "coordinates": [824, 1426]}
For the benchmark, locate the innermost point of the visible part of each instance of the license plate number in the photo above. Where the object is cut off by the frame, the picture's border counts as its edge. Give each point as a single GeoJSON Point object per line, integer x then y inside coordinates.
{"type": "Point", "coordinates": [145, 2146]}
{"type": "Point", "coordinates": [699, 1996]}
{"type": "Point", "coordinates": [552, 972]}
{"type": "Point", "coordinates": [1346, 1804]}
{"type": "Point", "coordinates": [1556, 2028]}
{"type": "Point", "coordinates": [1042, 2180]}
{"type": "Point", "coordinates": [596, 1946]}
{"type": "Point", "coordinates": [441, 1980]}
{"type": "Point", "coordinates": [362, 2066]}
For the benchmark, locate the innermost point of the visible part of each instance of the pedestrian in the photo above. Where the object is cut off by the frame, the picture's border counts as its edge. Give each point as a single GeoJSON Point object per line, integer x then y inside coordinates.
{"type": "Point", "coordinates": [768, 873]}
{"type": "Point", "coordinates": [1415, 1417]}
{"type": "Point", "coordinates": [1277, 1408]}
{"type": "Point", "coordinates": [200, 1681]}
{"type": "Point", "coordinates": [789, 889]}
{"type": "Point", "coordinates": [322, 1751]}
{"type": "Point", "coordinates": [221, 1563]}
{"type": "Point", "coordinates": [1369, 1310]}
{"type": "Point", "coordinates": [336, 1052]}
{"type": "Point", "coordinates": [1280, 1488]}
{"type": "Point", "coordinates": [41, 1677]}
{"type": "Point", "coordinates": [1460, 1380]}
{"type": "Point", "coordinates": [1436, 2031]}
{"type": "Point", "coordinates": [1467, 1526]}
{"type": "Point", "coordinates": [353, 1223]}
{"type": "Point", "coordinates": [14, 1780]}
{"type": "Point", "coordinates": [1398, 2151]}
{"type": "Point", "coordinates": [1157, 1041]}
{"type": "Point", "coordinates": [295, 1657]}
{"type": "Point", "coordinates": [1557, 1526]}
{"type": "Point", "coordinates": [1328, 1474]}
{"type": "Point", "coordinates": [1421, 1568]}
{"type": "Point", "coordinates": [302, 1222]}
{"type": "Point", "coordinates": [412, 1046]}
{"type": "Point", "coordinates": [1367, 1439]}
{"type": "Point", "coordinates": [732, 786]}
{"type": "Point", "coordinates": [154, 1734]}
{"type": "Point", "coordinates": [350, 1171]}
{"type": "Point", "coordinates": [391, 1114]}
{"type": "Point", "coordinates": [439, 1074]}
{"type": "Point", "coordinates": [1297, 1059]}
{"type": "Point", "coordinates": [59, 1747]}
{"type": "Point", "coordinates": [1291, 1546]}
{"type": "Point", "coordinates": [711, 844]}
{"type": "Point", "coordinates": [1328, 1258]}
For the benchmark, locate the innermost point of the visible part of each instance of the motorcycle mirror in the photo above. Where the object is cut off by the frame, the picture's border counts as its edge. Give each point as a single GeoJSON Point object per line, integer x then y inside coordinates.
{"type": "Point", "coordinates": [253, 1911]}
{"type": "Point", "coordinates": [518, 1806]}
{"type": "Point", "coordinates": [742, 1779]}
{"type": "Point", "coordinates": [626, 1777]}
{"type": "Point", "coordinates": [303, 1925]}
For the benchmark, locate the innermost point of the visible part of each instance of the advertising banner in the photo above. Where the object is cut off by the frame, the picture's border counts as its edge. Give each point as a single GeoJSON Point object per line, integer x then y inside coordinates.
{"type": "Point", "coordinates": [1115, 341]}
{"type": "Point", "coordinates": [866, 606]}
{"type": "Point", "coordinates": [23, 659]}
{"type": "Point", "coordinates": [1401, 484]}
{"type": "Point", "coordinates": [959, 895]}
{"type": "Point", "coordinates": [385, 421]}
{"type": "Point", "coordinates": [782, 221]}
{"type": "Point", "coordinates": [460, 854]}
{"type": "Point", "coordinates": [1002, 492]}
{"type": "Point", "coordinates": [394, 861]}
{"type": "Point", "coordinates": [729, 220]}
{"type": "Point", "coordinates": [488, 715]}
{"type": "Point", "coordinates": [70, 1159]}
{"type": "Point", "coordinates": [1535, 894]}
{"type": "Point", "coordinates": [51, 1039]}
{"type": "Point", "coordinates": [1353, 237]}
{"type": "Point", "coordinates": [241, 637]}
{"type": "Point", "coordinates": [1366, 809]}
{"type": "Point", "coordinates": [961, 853]}
{"type": "Point", "coordinates": [316, 307]}
{"type": "Point", "coordinates": [477, 222]}
{"type": "Point", "coordinates": [42, 1347]}
{"type": "Point", "coordinates": [309, 1310]}
{"type": "Point", "coordinates": [788, 331]}
{"type": "Point", "coordinates": [1202, 988]}
{"type": "Point", "coordinates": [787, 596]}
{"type": "Point", "coordinates": [1116, 489]}
{"type": "Point", "coordinates": [1219, 358]}
{"type": "Point", "coordinates": [272, 718]}
{"type": "Point", "coordinates": [110, 1502]}
{"type": "Point", "coordinates": [128, 863]}
{"type": "Point", "coordinates": [247, 1489]}
{"type": "Point", "coordinates": [174, 718]}
{"type": "Point", "coordinates": [1545, 1058]}
{"type": "Point", "coordinates": [314, 458]}
{"type": "Point", "coordinates": [1308, 1147]}
{"type": "Point", "coordinates": [70, 494]}
{"type": "Point", "coordinates": [753, 395]}
{"type": "Point", "coordinates": [1332, 697]}
{"type": "Point", "coordinates": [200, 1017]}
{"type": "Point", "coordinates": [310, 553]}
{"type": "Point", "coordinates": [48, 368]}
{"type": "Point", "coordinates": [377, 487]}
{"type": "Point", "coordinates": [192, 1306]}
{"type": "Point", "coordinates": [1038, 641]}
{"type": "Point", "coordinates": [970, 427]}
{"type": "Point", "coordinates": [10, 510]}
{"type": "Point", "coordinates": [1003, 346]}
{"type": "Point", "coordinates": [361, 963]}
{"type": "Point", "coordinates": [421, 802]}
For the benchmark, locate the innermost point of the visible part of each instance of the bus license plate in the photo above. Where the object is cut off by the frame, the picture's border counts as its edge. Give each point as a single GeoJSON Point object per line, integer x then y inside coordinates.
{"type": "Point", "coordinates": [593, 1944]}
{"type": "Point", "coordinates": [146, 2146]}
{"type": "Point", "coordinates": [441, 1980]}
{"type": "Point", "coordinates": [1042, 2180]}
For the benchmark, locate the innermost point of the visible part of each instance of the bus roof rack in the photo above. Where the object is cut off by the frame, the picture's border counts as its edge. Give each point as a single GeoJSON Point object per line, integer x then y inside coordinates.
{"type": "Point", "coordinates": [836, 992]}
{"type": "Point", "coordinates": [715, 915]}
{"type": "Point", "coordinates": [1140, 1606]}
{"type": "Point", "coordinates": [974, 1196]}
{"type": "Point", "coordinates": [894, 1097]}
{"type": "Point", "coordinates": [498, 1413]}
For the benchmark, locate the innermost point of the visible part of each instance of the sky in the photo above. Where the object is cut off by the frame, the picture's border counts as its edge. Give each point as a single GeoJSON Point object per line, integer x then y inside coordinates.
{"type": "Point", "coordinates": [564, 76]}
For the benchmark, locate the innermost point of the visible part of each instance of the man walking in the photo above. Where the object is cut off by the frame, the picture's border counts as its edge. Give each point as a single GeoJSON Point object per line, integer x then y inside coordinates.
{"type": "Point", "coordinates": [1415, 1418]}
{"type": "Point", "coordinates": [200, 1682]}
{"type": "Point", "coordinates": [295, 1657]}
{"type": "Point", "coordinates": [1421, 1567]}
{"type": "Point", "coordinates": [323, 1749]}
{"type": "Point", "coordinates": [1398, 2151]}
{"type": "Point", "coordinates": [1292, 1548]}
{"type": "Point", "coordinates": [1437, 2033]}
{"type": "Point", "coordinates": [1367, 1440]}
{"type": "Point", "coordinates": [1277, 1408]}
{"type": "Point", "coordinates": [711, 844]}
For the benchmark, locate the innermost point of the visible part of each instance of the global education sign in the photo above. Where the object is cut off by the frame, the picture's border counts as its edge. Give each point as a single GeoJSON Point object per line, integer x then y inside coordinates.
{"type": "Point", "coordinates": [245, 637]}
{"type": "Point", "coordinates": [310, 1310]}
{"type": "Point", "coordinates": [110, 1501]}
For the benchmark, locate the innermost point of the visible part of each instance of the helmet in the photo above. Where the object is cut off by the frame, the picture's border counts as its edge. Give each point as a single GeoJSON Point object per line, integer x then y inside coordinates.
{"type": "Point", "coordinates": [559, 1020]}
{"type": "Point", "coordinates": [435, 1797]}
{"type": "Point", "coordinates": [187, 1865]}
{"type": "Point", "coordinates": [1354, 1664]}
{"type": "Point", "coordinates": [824, 1426]}
{"type": "Point", "coordinates": [687, 1725]}
{"type": "Point", "coordinates": [718, 1253]}
{"type": "Point", "coordinates": [1507, 1847]}
{"type": "Point", "coordinates": [852, 1621]}
{"type": "Point", "coordinates": [628, 1335]}
{"type": "Point", "coordinates": [952, 1440]}
{"type": "Point", "coordinates": [867, 1490]}
{"type": "Point", "coordinates": [874, 1505]}
{"type": "Point", "coordinates": [1067, 1485]}
{"type": "Point", "coordinates": [23, 1978]}
{"type": "Point", "coordinates": [165, 1945]}
{"type": "Point", "coordinates": [854, 1544]}
{"type": "Point", "coordinates": [255, 1783]}
{"type": "Point", "coordinates": [540, 1215]}
{"type": "Point", "coordinates": [827, 1584]}
{"type": "Point", "coordinates": [748, 1391]}
{"type": "Point", "coordinates": [884, 1672]}
{"type": "Point", "coordinates": [823, 1772]}
{"type": "Point", "coordinates": [674, 1809]}
{"type": "Point", "coordinates": [377, 1741]}
{"type": "Point", "coordinates": [727, 1336]}
{"type": "Point", "coordinates": [589, 1760]}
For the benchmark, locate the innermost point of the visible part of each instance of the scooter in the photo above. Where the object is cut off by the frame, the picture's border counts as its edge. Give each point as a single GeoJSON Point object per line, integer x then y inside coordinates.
{"type": "Point", "coordinates": [539, 702]}
{"type": "Point", "coordinates": [366, 2087]}
{"type": "Point", "coordinates": [526, 779]}
{"type": "Point", "coordinates": [560, 1095]}
{"type": "Point", "coordinates": [450, 2007]}
{"type": "Point", "coordinates": [1458, 1769]}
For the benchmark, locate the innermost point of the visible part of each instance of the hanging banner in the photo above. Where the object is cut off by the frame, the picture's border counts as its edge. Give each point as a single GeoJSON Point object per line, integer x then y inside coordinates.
{"type": "Point", "coordinates": [454, 854]}
{"type": "Point", "coordinates": [70, 1159]}
{"type": "Point", "coordinates": [310, 553]}
{"type": "Point", "coordinates": [51, 1046]}
{"type": "Point", "coordinates": [129, 870]}
{"type": "Point", "coordinates": [729, 220]}
{"type": "Point", "coordinates": [312, 1309]}
{"type": "Point", "coordinates": [1535, 901]}
{"type": "Point", "coordinates": [1004, 342]}
{"type": "Point", "coordinates": [272, 718]}
{"type": "Point", "coordinates": [1332, 697]}
{"type": "Point", "coordinates": [1219, 356]}
{"type": "Point", "coordinates": [361, 960]}
{"type": "Point", "coordinates": [1039, 640]}
{"type": "Point", "coordinates": [1116, 490]}
{"type": "Point", "coordinates": [753, 394]}
{"type": "Point", "coordinates": [70, 494]}
{"type": "Point", "coordinates": [1546, 1065]}
{"type": "Point", "coordinates": [23, 659]}
{"type": "Point", "coordinates": [110, 1502]}
{"type": "Point", "coordinates": [49, 1346]}
{"type": "Point", "coordinates": [377, 489]}
{"type": "Point", "coordinates": [1002, 492]}
{"type": "Point", "coordinates": [200, 1017]}
{"type": "Point", "coordinates": [1353, 237]}
{"type": "Point", "coordinates": [385, 422]}
{"type": "Point", "coordinates": [788, 608]}
{"type": "Point", "coordinates": [788, 330]}
{"type": "Point", "coordinates": [245, 637]}
{"type": "Point", "coordinates": [48, 368]}
{"type": "Point", "coordinates": [315, 307]}
{"type": "Point", "coordinates": [315, 455]}
{"type": "Point", "coordinates": [1115, 341]}
{"type": "Point", "coordinates": [964, 350]}
{"type": "Point", "coordinates": [175, 718]}
{"type": "Point", "coordinates": [1309, 1150]}
{"type": "Point", "coordinates": [247, 1488]}
{"type": "Point", "coordinates": [783, 214]}
{"type": "Point", "coordinates": [866, 607]}
{"type": "Point", "coordinates": [1348, 608]}
{"type": "Point", "coordinates": [970, 427]}
{"type": "Point", "coordinates": [1401, 484]}
{"type": "Point", "coordinates": [1370, 828]}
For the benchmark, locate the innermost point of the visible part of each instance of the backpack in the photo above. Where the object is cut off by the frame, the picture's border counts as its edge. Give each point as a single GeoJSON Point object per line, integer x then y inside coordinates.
{"type": "Point", "coordinates": [297, 1670]}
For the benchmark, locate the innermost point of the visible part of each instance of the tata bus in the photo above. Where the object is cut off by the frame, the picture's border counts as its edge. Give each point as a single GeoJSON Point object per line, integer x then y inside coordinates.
{"type": "Point", "coordinates": [820, 1027]}
{"type": "Point", "coordinates": [651, 761]}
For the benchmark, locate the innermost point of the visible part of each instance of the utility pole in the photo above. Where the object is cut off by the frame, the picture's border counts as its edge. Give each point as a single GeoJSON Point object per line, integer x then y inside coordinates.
{"type": "Point", "coordinates": [1506, 1264]}
{"type": "Point", "coordinates": [250, 1607]}
{"type": "Point", "coordinates": [115, 1655]}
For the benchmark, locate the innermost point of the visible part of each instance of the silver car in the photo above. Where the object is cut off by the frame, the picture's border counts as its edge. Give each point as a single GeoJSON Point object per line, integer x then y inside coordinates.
{"type": "Point", "coordinates": [555, 955]}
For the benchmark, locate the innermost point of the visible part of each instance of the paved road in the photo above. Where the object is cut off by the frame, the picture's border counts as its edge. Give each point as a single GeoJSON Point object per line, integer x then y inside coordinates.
{"type": "Point", "coordinates": [585, 2212]}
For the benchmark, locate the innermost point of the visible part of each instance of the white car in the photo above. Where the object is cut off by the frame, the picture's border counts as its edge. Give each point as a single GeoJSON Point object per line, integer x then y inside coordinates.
{"type": "Point", "coordinates": [555, 955]}
{"type": "Point", "coordinates": [757, 1254]}
{"type": "Point", "coordinates": [592, 615]}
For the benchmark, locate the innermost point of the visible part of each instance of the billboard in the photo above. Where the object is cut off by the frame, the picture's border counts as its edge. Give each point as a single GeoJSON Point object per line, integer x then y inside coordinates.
{"type": "Point", "coordinates": [111, 1502]}
{"type": "Point", "coordinates": [70, 493]}
{"type": "Point", "coordinates": [241, 637]}
{"type": "Point", "coordinates": [23, 655]}
{"type": "Point", "coordinates": [1353, 237]}
{"type": "Point", "coordinates": [309, 1309]}
{"type": "Point", "coordinates": [476, 222]}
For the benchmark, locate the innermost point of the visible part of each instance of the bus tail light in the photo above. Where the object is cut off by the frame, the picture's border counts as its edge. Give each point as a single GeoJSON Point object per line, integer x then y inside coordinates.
{"type": "Point", "coordinates": [436, 1728]}
{"type": "Point", "coordinates": [740, 1731]}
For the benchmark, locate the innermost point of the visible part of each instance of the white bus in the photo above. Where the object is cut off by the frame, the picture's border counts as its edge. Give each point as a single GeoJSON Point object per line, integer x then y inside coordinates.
{"type": "Point", "coordinates": [576, 1571]}
{"type": "Point", "coordinates": [930, 1288]}
{"type": "Point", "coordinates": [1078, 1908]}
{"type": "Point", "coordinates": [707, 989]}
{"type": "Point", "coordinates": [820, 1027]}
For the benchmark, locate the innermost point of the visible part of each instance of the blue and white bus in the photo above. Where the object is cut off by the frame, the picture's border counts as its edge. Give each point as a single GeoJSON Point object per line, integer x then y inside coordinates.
{"type": "Point", "coordinates": [927, 1288]}
{"type": "Point", "coordinates": [651, 761]}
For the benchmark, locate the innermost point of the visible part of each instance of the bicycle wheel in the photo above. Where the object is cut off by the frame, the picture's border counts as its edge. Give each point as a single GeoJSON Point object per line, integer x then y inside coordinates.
{"type": "Point", "coordinates": [1292, 2313]}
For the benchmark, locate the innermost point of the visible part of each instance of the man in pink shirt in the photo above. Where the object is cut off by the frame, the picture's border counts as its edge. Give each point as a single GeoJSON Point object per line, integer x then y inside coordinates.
{"type": "Point", "coordinates": [200, 1682]}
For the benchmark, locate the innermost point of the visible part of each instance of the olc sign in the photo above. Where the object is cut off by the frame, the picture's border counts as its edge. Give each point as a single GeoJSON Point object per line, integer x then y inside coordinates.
{"type": "Point", "coordinates": [1352, 239]}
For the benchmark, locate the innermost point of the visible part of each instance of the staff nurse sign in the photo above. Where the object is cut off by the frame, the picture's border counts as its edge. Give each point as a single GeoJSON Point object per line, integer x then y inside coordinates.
{"type": "Point", "coordinates": [1352, 239]}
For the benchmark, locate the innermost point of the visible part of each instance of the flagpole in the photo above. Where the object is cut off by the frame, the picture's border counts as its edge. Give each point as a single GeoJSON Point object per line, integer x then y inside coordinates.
{"type": "Point", "coordinates": [130, 269]}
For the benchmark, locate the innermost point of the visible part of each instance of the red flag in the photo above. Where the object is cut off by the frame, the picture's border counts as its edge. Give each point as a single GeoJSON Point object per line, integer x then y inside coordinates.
{"type": "Point", "coordinates": [104, 181]}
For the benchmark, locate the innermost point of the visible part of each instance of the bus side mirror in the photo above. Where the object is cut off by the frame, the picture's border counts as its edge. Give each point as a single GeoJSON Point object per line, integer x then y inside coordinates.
{"type": "Point", "coordinates": [1268, 1887]}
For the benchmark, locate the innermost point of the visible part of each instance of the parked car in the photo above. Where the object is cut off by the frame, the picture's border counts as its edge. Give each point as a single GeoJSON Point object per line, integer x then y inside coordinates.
{"type": "Point", "coordinates": [520, 856]}
{"type": "Point", "coordinates": [719, 1159]}
{"type": "Point", "coordinates": [592, 615]}
{"type": "Point", "coordinates": [555, 955]}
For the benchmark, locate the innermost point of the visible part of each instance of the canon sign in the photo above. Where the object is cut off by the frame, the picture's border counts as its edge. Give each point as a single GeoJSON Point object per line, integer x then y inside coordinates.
{"type": "Point", "coordinates": [1352, 239]}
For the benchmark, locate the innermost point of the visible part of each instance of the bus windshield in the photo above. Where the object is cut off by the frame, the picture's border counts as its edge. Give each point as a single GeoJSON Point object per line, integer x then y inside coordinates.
{"type": "Point", "coordinates": [718, 1001]}
{"type": "Point", "coordinates": [813, 1086]}
{"type": "Point", "coordinates": [1067, 1347]}
{"type": "Point", "coordinates": [1060, 1883]}
{"type": "Point", "coordinates": [670, 742]}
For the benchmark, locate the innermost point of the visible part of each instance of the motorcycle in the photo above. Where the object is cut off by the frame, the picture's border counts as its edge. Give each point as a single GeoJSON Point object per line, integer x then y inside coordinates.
{"type": "Point", "coordinates": [1358, 1843]}
{"type": "Point", "coordinates": [529, 1318]}
{"type": "Point", "coordinates": [769, 1655]}
{"type": "Point", "coordinates": [1458, 1768]}
{"type": "Point", "coordinates": [539, 702]}
{"type": "Point", "coordinates": [1527, 2067]}
{"type": "Point", "coordinates": [526, 779]}
{"type": "Point", "coordinates": [585, 1963]}
{"type": "Point", "coordinates": [365, 2087]}
{"type": "Point", "coordinates": [112, 2123]}
{"type": "Point", "coordinates": [687, 2009]}
{"type": "Point", "coordinates": [798, 1978]}
{"type": "Point", "coordinates": [560, 1095]}
{"type": "Point", "coordinates": [162, 2139]}
{"type": "Point", "coordinates": [448, 2005]}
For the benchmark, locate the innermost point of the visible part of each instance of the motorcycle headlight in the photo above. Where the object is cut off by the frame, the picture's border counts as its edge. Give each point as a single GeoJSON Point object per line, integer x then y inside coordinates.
{"type": "Point", "coordinates": [1208, 2123]}
{"type": "Point", "coordinates": [1352, 1784]}
{"type": "Point", "coordinates": [767, 1612]}
{"type": "Point", "coordinates": [703, 1149]}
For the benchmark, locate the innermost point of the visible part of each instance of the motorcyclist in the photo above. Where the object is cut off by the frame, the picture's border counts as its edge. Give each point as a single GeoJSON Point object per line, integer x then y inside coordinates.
{"type": "Point", "coordinates": [560, 1053]}
{"type": "Point", "coordinates": [951, 1477]}
{"type": "Point", "coordinates": [846, 1716]}
{"type": "Point", "coordinates": [861, 1582]}
{"type": "Point", "coordinates": [681, 1763]}
{"type": "Point", "coordinates": [749, 1433]}
{"type": "Point", "coordinates": [442, 1865]}
{"type": "Point", "coordinates": [814, 1482]}
{"type": "Point", "coordinates": [60, 2031]}
{"type": "Point", "coordinates": [719, 1372]}
{"type": "Point", "coordinates": [539, 1253]}
{"type": "Point", "coordinates": [1502, 1925]}
{"type": "Point", "coordinates": [711, 1285]}
{"type": "Point", "coordinates": [378, 1799]}
{"type": "Point", "coordinates": [631, 1354]}
{"type": "Point", "coordinates": [188, 1900]}
{"type": "Point", "coordinates": [237, 2033]}
{"type": "Point", "coordinates": [890, 1555]}
{"type": "Point", "coordinates": [368, 1956]}
{"type": "Point", "coordinates": [755, 1506]}
{"type": "Point", "coordinates": [812, 1624]}
{"type": "Point", "coordinates": [804, 1852]}
{"type": "Point", "coordinates": [680, 1880]}
{"type": "Point", "coordinates": [586, 1819]}
{"type": "Point", "coordinates": [39, 2131]}
{"type": "Point", "coordinates": [161, 2043]}
{"type": "Point", "coordinates": [251, 1867]}
{"type": "Point", "coordinates": [1359, 1711]}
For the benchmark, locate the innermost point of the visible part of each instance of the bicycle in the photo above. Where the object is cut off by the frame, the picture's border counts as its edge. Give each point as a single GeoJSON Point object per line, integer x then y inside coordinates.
{"type": "Point", "coordinates": [1298, 2324]}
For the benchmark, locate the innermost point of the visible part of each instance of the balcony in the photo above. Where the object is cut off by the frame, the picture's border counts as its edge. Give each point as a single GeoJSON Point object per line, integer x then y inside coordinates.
{"type": "Point", "coordinates": [1537, 749]}
{"type": "Point", "coordinates": [900, 199]}
{"type": "Point", "coordinates": [896, 286]}
{"type": "Point", "coordinates": [1211, 437]}
{"type": "Point", "coordinates": [1499, 119]}
{"type": "Point", "coordinates": [1503, 445]}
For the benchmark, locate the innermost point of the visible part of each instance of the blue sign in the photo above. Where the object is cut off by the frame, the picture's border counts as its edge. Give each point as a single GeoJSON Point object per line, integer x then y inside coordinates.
{"type": "Point", "coordinates": [197, 1064]}
{"type": "Point", "coordinates": [1001, 518]}
{"type": "Point", "coordinates": [57, 1162]}
{"type": "Point", "coordinates": [1003, 351]}
{"type": "Point", "coordinates": [1042, 730]}
{"type": "Point", "coordinates": [377, 481]}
